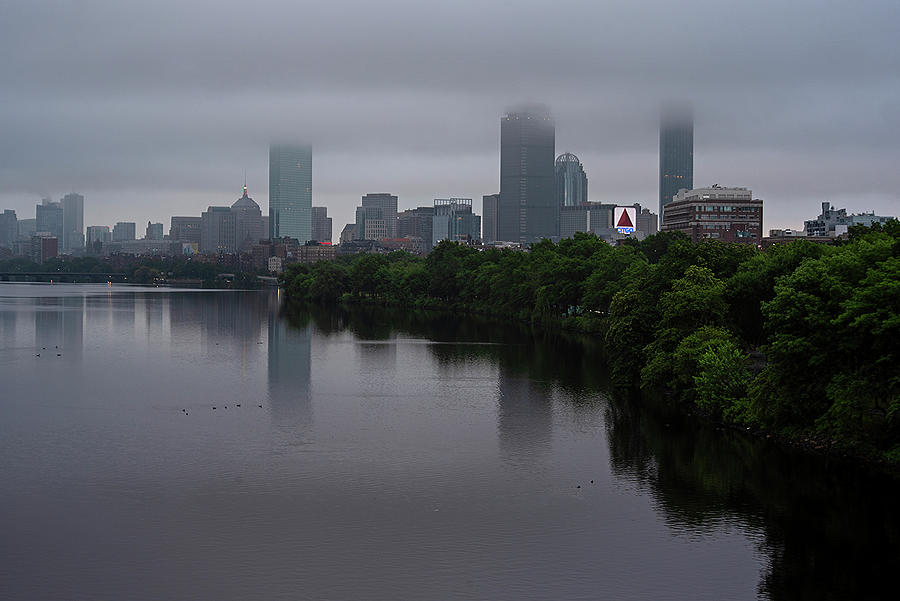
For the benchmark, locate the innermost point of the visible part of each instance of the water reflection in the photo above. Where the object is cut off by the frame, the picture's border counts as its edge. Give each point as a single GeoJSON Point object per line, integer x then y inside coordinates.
{"type": "Point", "coordinates": [524, 418]}
{"type": "Point", "coordinates": [59, 326]}
{"type": "Point", "coordinates": [827, 531]}
{"type": "Point", "coordinates": [289, 367]}
{"type": "Point", "coordinates": [8, 325]}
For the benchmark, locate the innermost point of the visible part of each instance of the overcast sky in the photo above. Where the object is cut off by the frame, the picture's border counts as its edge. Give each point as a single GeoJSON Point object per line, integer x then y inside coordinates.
{"type": "Point", "coordinates": [157, 108]}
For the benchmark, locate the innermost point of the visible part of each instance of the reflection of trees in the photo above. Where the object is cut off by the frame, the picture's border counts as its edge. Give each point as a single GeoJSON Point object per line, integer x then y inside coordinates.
{"type": "Point", "coordinates": [830, 532]}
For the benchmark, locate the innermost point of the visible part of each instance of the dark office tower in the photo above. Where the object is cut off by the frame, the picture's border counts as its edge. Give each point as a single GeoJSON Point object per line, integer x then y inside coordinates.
{"type": "Point", "coordinates": [185, 229]}
{"type": "Point", "coordinates": [217, 231]}
{"type": "Point", "coordinates": [387, 204]}
{"type": "Point", "coordinates": [571, 181]}
{"type": "Point", "coordinates": [9, 228]}
{"type": "Point", "coordinates": [154, 231]}
{"type": "Point", "coordinates": [528, 207]}
{"type": "Point", "coordinates": [321, 224]}
{"type": "Point", "coordinates": [290, 192]}
{"type": "Point", "coordinates": [454, 220]}
{"type": "Point", "coordinates": [676, 154]}
{"type": "Point", "coordinates": [419, 224]}
{"type": "Point", "coordinates": [49, 219]}
{"type": "Point", "coordinates": [490, 206]}
{"type": "Point", "coordinates": [124, 231]}
{"type": "Point", "coordinates": [73, 221]}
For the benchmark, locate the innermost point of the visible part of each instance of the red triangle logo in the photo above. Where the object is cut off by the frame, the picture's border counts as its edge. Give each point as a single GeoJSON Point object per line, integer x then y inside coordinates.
{"type": "Point", "coordinates": [625, 220]}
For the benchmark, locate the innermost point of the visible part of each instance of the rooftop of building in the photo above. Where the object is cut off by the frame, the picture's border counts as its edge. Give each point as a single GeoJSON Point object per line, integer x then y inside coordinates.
{"type": "Point", "coordinates": [245, 202]}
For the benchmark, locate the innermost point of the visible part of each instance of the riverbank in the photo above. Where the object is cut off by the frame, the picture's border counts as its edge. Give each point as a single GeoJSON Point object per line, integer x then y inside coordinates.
{"type": "Point", "coordinates": [681, 320]}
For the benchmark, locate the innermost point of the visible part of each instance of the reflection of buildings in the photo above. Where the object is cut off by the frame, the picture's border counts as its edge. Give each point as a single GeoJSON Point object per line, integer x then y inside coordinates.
{"type": "Point", "coordinates": [524, 418]}
{"type": "Point", "coordinates": [8, 325]}
{"type": "Point", "coordinates": [289, 367]}
{"type": "Point", "coordinates": [152, 308]}
{"type": "Point", "coordinates": [123, 308]}
{"type": "Point", "coordinates": [59, 322]}
{"type": "Point", "coordinates": [221, 317]}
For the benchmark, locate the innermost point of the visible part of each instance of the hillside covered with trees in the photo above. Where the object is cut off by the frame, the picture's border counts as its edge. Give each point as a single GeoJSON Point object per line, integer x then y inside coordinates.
{"type": "Point", "coordinates": [799, 340]}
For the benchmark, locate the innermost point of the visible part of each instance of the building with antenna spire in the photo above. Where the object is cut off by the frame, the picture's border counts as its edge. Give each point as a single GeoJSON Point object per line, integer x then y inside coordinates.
{"type": "Point", "coordinates": [248, 221]}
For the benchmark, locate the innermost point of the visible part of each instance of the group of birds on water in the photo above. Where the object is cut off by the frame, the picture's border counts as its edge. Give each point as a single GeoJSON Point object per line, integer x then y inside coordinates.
{"type": "Point", "coordinates": [185, 411]}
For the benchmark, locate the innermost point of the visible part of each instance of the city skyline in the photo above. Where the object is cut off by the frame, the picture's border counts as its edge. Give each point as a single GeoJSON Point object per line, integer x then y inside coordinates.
{"type": "Point", "coordinates": [801, 110]}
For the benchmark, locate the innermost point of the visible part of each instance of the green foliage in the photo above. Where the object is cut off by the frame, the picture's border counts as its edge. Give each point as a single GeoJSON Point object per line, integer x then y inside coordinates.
{"type": "Point", "coordinates": [694, 302]}
{"type": "Point", "coordinates": [721, 382]}
{"type": "Point", "coordinates": [681, 318]}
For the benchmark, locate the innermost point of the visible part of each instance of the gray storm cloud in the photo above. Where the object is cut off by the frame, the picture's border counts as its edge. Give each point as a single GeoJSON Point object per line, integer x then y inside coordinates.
{"type": "Point", "coordinates": [156, 109]}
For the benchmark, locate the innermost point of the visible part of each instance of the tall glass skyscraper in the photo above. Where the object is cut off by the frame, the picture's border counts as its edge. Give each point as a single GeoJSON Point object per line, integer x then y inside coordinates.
{"type": "Point", "coordinates": [528, 207]}
{"type": "Point", "coordinates": [290, 192]}
{"type": "Point", "coordinates": [571, 181]}
{"type": "Point", "coordinates": [73, 221]}
{"type": "Point", "coordinates": [676, 154]}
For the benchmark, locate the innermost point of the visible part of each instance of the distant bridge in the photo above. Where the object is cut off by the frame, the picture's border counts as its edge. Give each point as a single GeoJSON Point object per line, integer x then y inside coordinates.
{"type": "Point", "coordinates": [62, 275]}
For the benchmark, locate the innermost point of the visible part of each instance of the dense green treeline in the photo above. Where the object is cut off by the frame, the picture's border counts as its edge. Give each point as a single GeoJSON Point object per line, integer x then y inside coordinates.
{"type": "Point", "coordinates": [800, 339]}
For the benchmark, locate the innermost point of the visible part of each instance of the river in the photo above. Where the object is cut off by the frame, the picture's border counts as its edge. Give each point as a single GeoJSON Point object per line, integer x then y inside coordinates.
{"type": "Point", "coordinates": [165, 444]}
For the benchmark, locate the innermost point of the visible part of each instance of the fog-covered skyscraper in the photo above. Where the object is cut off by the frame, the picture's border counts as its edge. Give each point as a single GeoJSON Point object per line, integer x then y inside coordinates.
{"type": "Point", "coordinates": [290, 191]}
{"type": "Point", "coordinates": [73, 221]}
{"type": "Point", "coordinates": [571, 181]}
{"type": "Point", "coordinates": [676, 154]}
{"type": "Point", "coordinates": [528, 209]}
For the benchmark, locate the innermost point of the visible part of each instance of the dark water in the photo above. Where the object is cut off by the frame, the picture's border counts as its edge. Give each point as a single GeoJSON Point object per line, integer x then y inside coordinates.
{"type": "Point", "coordinates": [395, 456]}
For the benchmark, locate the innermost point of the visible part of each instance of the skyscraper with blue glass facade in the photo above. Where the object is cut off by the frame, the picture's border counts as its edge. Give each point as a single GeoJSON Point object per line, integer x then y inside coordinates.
{"type": "Point", "coordinates": [290, 191]}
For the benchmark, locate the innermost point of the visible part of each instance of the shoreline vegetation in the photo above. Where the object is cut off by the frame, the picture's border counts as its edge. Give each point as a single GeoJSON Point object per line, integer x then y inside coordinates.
{"type": "Point", "coordinates": [143, 271]}
{"type": "Point", "coordinates": [798, 342]}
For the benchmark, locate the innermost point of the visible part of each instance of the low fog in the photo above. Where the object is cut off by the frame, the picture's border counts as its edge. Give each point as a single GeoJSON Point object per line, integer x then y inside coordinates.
{"type": "Point", "coordinates": [159, 108]}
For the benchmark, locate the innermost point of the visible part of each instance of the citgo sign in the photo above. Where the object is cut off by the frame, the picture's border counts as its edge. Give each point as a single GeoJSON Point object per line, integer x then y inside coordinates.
{"type": "Point", "coordinates": [625, 220]}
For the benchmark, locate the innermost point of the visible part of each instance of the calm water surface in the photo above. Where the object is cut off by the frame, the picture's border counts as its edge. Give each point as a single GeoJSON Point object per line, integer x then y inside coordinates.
{"type": "Point", "coordinates": [394, 456]}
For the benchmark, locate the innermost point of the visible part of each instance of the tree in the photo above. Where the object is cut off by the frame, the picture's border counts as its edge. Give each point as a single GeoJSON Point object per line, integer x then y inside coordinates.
{"type": "Point", "coordinates": [721, 383]}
